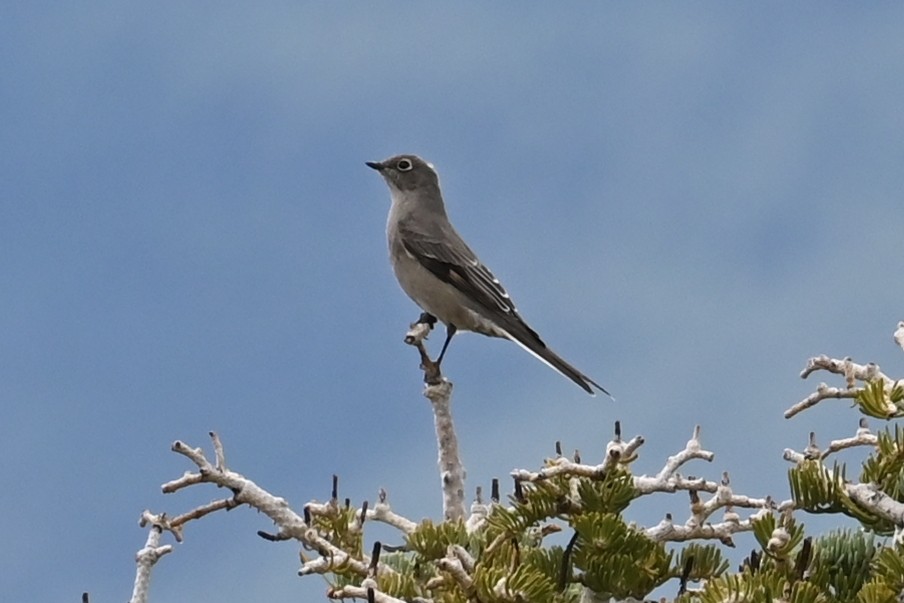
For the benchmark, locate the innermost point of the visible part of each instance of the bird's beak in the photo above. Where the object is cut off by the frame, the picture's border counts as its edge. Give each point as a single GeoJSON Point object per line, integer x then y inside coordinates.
{"type": "Point", "coordinates": [375, 165]}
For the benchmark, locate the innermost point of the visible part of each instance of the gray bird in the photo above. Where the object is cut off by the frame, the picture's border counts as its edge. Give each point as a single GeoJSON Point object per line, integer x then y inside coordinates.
{"type": "Point", "coordinates": [438, 270]}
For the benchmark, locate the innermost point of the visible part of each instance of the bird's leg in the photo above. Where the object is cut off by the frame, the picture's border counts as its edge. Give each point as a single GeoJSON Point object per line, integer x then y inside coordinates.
{"type": "Point", "coordinates": [450, 332]}
{"type": "Point", "coordinates": [432, 374]}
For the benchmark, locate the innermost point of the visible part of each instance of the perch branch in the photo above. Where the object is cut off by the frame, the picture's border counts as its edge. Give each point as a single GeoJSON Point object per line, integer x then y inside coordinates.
{"type": "Point", "coordinates": [439, 392]}
{"type": "Point", "coordinates": [147, 557]}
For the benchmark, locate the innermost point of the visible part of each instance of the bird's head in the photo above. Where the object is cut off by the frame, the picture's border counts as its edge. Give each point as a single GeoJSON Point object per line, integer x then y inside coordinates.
{"type": "Point", "coordinates": [406, 172]}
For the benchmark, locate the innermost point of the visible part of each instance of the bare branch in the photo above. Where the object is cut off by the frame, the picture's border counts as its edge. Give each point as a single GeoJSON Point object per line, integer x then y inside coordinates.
{"type": "Point", "coordinates": [452, 472]}
{"type": "Point", "coordinates": [383, 513]}
{"type": "Point", "coordinates": [199, 512]}
{"type": "Point", "coordinates": [361, 592]}
{"type": "Point", "coordinates": [871, 498]}
{"type": "Point", "coordinates": [851, 371]}
{"type": "Point", "coordinates": [863, 437]}
{"type": "Point", "coordinates": [439, 392]}
{"type": "Point", "coordinates": [615, 451]}
{"type": "Point", "coordinates": [667, 531]}
{"type": "Point", "coordinates": [823, 392]}
{"type": "Point", "coordinates": [146, 558]}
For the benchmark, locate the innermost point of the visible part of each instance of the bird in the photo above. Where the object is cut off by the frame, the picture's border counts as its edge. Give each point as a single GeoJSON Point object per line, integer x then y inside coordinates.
{"type": "Point", "coordinates": [442, 275]}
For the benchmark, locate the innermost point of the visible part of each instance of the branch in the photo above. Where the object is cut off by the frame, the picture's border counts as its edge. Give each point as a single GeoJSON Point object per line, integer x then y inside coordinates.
{"type": "Point", "coordinates": [852, 373]}
{"type": "Point", "coordinates": [290, 524]}
{"type": "Point", "coordinates": [147, 557]}
{"type": "Point", "coordinates": [244, 490]}
{"type": "Point", "coordinates": [383, 513]}
{"type": "Point", "coordinates": [439, 392]}
{"type": "Point", "coordinates": [879, 503]}
{"type": "Point", "coordinates": [416, 335]}
{"type": "Point", "coordinates": [367, 591]}
{"type": "Point", "coordinates": [452, 472]}
{"type": "Point", "coordinates": [455, 568]}
{"type": "Point", "coordinates": [863, 437]}
{"type": "Point", "coordinates": [564, 466]}
{"type": "Point", "coordinates": [668, 480]}
{"type": "Point", "coordinates": [667, 531]}
{"type": "Point", "coordinates": [617, 451]}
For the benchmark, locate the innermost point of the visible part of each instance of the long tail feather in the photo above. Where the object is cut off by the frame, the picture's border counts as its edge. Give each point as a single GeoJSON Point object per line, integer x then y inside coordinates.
{"type": "Point", "coordinates": [539, 350]}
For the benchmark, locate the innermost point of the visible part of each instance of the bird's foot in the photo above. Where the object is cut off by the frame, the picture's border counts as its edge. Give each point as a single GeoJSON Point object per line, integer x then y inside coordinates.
{"type": "Point", "coordinates": [418, 331]}
{"type": "Point", "coordinates": [427, 319]}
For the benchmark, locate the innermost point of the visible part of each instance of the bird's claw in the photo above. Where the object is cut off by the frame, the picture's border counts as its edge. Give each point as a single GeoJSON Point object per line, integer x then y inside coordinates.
{"type": "Point", "coordinates": [426, 319]}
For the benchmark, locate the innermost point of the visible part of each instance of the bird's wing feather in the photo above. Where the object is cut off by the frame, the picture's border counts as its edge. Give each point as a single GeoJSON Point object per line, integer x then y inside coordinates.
{"type": "Point", "coordinates": [453, 262]}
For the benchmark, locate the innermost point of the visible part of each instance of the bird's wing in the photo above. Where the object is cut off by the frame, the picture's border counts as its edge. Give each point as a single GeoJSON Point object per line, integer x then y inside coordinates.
{"type": "Point", "coordinates": [453, 262]}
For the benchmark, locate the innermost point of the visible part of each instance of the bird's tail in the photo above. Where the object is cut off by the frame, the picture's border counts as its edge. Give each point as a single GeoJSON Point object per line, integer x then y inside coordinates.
{"type": "Point", "coordinates": [538, 349]}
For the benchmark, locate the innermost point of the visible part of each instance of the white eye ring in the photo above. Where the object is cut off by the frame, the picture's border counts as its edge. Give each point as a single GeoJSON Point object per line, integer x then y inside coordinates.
{"type": "Point", "coordinates": [404, 165]}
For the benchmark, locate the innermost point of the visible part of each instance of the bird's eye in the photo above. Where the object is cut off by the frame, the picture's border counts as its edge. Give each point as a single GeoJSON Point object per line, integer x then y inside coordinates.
{"type": "Point", "coordinates": [404, 165]}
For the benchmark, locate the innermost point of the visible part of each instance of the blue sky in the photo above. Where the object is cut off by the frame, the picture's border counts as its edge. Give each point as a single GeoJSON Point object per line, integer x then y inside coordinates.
{"type": "Point", "coordinates": [687, 201]}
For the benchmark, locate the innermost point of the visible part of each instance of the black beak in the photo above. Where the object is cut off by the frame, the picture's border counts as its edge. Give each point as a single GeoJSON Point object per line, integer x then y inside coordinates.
{"type": "Point", "coordinates": [375, 165]}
